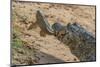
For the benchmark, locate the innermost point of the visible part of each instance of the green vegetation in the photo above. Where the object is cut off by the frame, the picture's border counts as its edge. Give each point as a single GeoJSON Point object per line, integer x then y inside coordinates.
{"type": "Point", "coordinates": [21, 52]}
{"type": "Point", "coordinates": [16, 41]}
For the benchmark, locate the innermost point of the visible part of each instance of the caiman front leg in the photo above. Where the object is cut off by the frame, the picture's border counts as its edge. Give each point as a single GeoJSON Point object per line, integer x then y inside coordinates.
{"type": "Point", "coordinates": [33, 25]}
{"type": "Point", "coordinates": [42, 33]}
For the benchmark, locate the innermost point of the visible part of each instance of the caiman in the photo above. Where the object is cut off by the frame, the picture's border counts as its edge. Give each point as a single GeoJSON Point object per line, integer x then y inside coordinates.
{"type": "Point", "coordinates": [81, 42]}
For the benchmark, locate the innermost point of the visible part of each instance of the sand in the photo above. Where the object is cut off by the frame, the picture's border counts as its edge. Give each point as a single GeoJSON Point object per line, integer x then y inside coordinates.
{"type": "Point", "coordinates": [49, 48]}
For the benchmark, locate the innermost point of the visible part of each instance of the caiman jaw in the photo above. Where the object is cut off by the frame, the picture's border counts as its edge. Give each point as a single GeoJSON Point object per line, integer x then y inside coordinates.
{"type": "Point", "coordinates": [43, 22]}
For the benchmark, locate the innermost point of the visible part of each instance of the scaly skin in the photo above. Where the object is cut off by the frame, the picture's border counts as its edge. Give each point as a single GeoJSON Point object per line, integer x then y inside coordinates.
{"type": "Point", "coordinates": [81, 42]}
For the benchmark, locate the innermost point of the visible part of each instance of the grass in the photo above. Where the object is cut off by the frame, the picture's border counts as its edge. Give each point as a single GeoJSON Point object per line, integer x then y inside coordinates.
{"type": "Point", "coordinates": [21, 54]}
{"type": "Point", "coordinates": [16, 42]}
